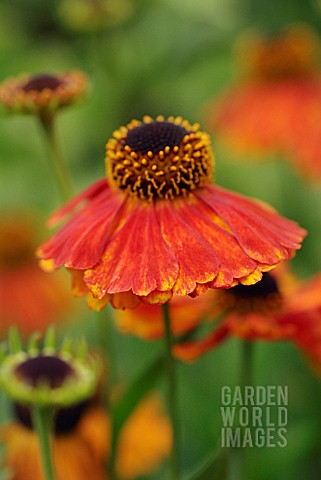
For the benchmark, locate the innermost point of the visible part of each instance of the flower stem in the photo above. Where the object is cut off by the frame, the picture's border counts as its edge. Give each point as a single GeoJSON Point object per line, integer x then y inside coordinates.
{"type": "Point", "coordinates": [238, 455]}
{"type": "Point", "coordinates": [246, 363]}
{"type": "Point", "coordinates": [106, 343]}
{"type": "Point", "coordinates": [59, 166]}
{"type": "Point", "coordinates": [172, 397]}
{"type": "Point", "coordinates": [236, 464]}
{"type": "Point", "coordinates": [42, 419]}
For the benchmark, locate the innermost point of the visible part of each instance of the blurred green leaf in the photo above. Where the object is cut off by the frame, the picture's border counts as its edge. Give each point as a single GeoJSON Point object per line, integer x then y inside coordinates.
{"type": "Point", "coordinates": [214, 467]}
{"type": "Point", "coordinates": [145, 381]}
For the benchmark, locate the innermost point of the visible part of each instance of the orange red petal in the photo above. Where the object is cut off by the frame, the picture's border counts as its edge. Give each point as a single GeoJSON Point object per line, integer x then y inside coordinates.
{"type": "Point", "coordinates": [190, 351]}
{"type": "Point", "coordinates": [147, 322]}
{"type": "Point", "coordinates": [264, 119]}
{"type": "Point", "coordinates": [80, 243]}
{"type": "Point", "coordinates": [136, 258]}
{"type": "Point", "coordinates": [213, 238]}
{"type": "Point", "coordinates": [297, 319]}
{"type": "Point", "coordinates": [264, 235]}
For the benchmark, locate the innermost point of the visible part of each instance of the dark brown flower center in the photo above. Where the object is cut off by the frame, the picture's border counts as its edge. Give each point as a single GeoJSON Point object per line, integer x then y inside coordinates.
{"type": "Point", "coordinates": [45, 368]}
{"type": "Point", "coordinates": [266, 287]}
{"type": "Point", "coordinates": [263, 297]}
{"type": "Point", "coordinates": [154, 136]}
{"type": "Point", "coordinates": [42, 82]}
{"type": "Point", "coordinates": [65, 421]}
{"type": "Point", "coordinates": [159, 159]}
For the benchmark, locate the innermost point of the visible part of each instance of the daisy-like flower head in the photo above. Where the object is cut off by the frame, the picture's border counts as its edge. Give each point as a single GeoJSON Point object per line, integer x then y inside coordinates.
{"type": "Point", "coordinates": [274, 109]}
{"type": "Point", "coordinates": [280, 307]}
{"type": "Point", "coordinates": [158, 226]}
{"type": "Point", "coordinates": [29, 298]}
{"type": "Point", "coordinates": [42, 94]}
{"type": "Point", "coordinates": [47, 376]}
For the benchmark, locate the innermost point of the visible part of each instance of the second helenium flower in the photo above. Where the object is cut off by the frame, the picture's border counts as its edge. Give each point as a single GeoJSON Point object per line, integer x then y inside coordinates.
{"type": "Point", "coordinates": [158, 226]}
{"type": "Point", "coordinates": [273, 108]}
{"type": "Point", "coordinates": [42, 94]}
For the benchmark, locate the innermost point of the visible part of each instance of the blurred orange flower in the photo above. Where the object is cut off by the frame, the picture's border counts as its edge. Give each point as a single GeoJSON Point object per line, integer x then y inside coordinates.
{"type": "Point", "coordinates": [82, 443]}
{"type": "Point", "coordinates": [279, 307]}
{"type": "Point", "coordinates": [159, 227]}
{"type": "Point", "coordinates": [275, 109]}
{"type": "Point", "coordinates": [146, 321]}
{"type": "Point", "coordinates": [29, 298]}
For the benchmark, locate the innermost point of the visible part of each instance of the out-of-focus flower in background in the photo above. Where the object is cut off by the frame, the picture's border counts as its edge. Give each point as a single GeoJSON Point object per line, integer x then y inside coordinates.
{"type": "Point", "coordinates": [280, 307]}
{"type": "Point", "coordinates": [145, 441]}
{"type": "Point", "coordinates": [29, 298]}
{"type": "Point", "coordinates": [79, 447]}
{"type": "Point", "coordinates": [42, 94]}
{"type": "Point", "coordinates": [42, 380]}
{"type": "Point", "coordinates": [82, 442]}
{"type": "Point", "coordinates": [68, 380]}
{"type": "Point", "coordinates": [158, 226]}
{"type": "Point", "coordinates": [273, 109]}
{"type": "Point", "coordinates": [146, 321]}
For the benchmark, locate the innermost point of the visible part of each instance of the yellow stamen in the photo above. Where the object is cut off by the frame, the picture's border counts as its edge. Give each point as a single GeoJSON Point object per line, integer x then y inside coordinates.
{"type": "Point", "coordinates": [160, 169]}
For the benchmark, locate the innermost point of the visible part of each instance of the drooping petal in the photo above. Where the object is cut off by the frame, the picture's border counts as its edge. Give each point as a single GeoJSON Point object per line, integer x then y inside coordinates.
{"type": "Point", "coordinates": [259, 326]}
{"type": "Point", "coordinates": [136, 258]}
{"type": "Point", "coordinates": [197, 264]}
{"type": "Point", "coordinates": [80, 243]}
{"type": "Point", "coordinates": [264, 235]}
{"type": "Point", "coordinates": [156, 297]}
{"type": "Point", "coordinates": [219, 247]}
{"type": "Point", "coordinates": [85, 196]}
{"type": "Point", "coordinates": [190, 351]}
{"type": "Point", "coordinates": [124, 300]}
{"type": "Point", "coordinates": [97, 304]}
{"type": "Point", "coordinates": [146, 321]}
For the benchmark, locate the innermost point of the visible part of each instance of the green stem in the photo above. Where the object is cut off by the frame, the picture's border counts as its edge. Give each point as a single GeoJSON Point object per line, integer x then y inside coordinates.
{"type": "Point", "coordinates": [59, 166]}
{"type": "Point", "coordinates": [42, 419]}
{"type": "Point", "coordinates": [246, 363]}
{"type": "Point", "coordinates": [172, 397]}
{"type": "Point", "coordinates": [236, 464]}
{"type": "Point", "coordinates": [106, 343]}
{"type": "Point", "coordinates": [238, 455]}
